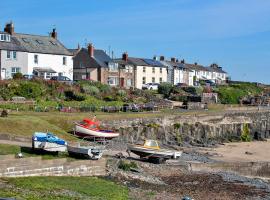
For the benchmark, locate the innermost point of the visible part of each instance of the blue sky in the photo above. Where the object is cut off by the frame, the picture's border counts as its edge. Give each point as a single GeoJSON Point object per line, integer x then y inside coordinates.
{"type": "Point", "coordinates": [233, 33]}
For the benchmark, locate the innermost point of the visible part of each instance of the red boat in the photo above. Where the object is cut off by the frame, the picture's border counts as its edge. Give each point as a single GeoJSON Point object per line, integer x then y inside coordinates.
{"type": "Point", "coordinates": [92, 128]}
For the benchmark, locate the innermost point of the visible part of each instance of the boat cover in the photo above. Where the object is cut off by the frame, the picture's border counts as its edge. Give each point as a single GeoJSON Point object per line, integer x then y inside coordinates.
{"type": "Point", "coordinates": [48, 137]}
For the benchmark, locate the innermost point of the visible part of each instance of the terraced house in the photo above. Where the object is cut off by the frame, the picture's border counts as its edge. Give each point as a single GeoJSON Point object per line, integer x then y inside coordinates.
{"type": "Point", "coordinates": [145, 70]}
{"type": "Point", "coordinates": [95, 64]}
{"type": "Point", "coordinates": [42, 56]}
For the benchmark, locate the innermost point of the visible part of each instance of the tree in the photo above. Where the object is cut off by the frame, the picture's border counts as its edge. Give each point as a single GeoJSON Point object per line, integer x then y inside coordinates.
{"type": "Point", "coordinates": [245, 136]}
{"type": "Point", "coordinates": [165, 89]}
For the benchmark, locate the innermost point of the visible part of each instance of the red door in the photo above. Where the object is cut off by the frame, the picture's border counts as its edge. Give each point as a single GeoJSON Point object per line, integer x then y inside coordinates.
{"type": "Point", "coordinates": [122, 82]}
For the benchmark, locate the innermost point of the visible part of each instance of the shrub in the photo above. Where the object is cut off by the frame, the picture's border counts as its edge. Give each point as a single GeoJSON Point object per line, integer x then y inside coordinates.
{"type": "Point", "coordinates": [245, 136]}
{"type": "Point", "coordinates": [29, 89]}
{"type": "Point", "coordinates": [121, 93]}
{"type": "Point", "coordinates": [126, 166]}
{"type": "Point", "coordinates": [108, 98]}
{"type": "Point", "coordinates": [179, 98]}
{"type": "Point", "coordinates": [18, 75]}
{"type": "Point", "coordinates": [165, 89]}
{"type": "Point", "coordinates": [92, 90]}
{"type": "Point", "coordinates": [70, 96]}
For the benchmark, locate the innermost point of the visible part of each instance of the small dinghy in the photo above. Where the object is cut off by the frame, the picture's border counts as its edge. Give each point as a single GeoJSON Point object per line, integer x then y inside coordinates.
{"type": "Point", "coordinates": [48, 142]}
{"type": "Point", "coordinates": [86, 150]}
{"type": "Point", "coordinates": [92, 128]}
{"type": "Point", "coordinates": [151, 151]}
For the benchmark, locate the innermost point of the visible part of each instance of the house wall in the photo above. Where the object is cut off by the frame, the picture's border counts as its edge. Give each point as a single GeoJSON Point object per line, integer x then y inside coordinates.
{"type": "Point", "coordinates": [80, 74]}
{"type": "Point", "coordinates": [54, 62]}
{"type": "Point", "coordinates": [7, 64]}
{"type": "Point", "coordinates": [148, 74]}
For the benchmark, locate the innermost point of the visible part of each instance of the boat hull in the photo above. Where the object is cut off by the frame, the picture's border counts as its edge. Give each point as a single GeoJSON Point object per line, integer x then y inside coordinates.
{"type": "Point", "coordinates": [94, 153]}
{"type": "Point", "coordinates": [48, 146]}
{"type": "Point", "coordinates": [83, 132]}
{"type": "Point", "coordinates": [153, 153]}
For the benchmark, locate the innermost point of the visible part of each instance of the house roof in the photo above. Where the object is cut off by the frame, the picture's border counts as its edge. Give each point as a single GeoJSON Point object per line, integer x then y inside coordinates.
{"type": "Point", "coordinates": [216, 69]}
{"type": "Point", "coordinates": [102, 58]}
{"type": "Point", "coordinates": [144, 62]}
{"type": "Point", "coordinates": [123, 62]}
{"type": "Point", "coordinates": [137, 61]}
{"type": "Point", "coordinates": [196, 67]}
{"type": "Point", "coordinates": [41, 44]}
{"type": "Point", "coordinates": [13, 45]}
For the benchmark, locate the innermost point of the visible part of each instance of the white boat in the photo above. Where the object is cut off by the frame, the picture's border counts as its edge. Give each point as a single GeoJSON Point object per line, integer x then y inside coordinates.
{"type": "Point", "coordinates": [92, 152]}
{"type": "Point", "coordinates": [151, 151]}
{"type": "Point", "coordinates": [48, 142]}
{"type": "Point", "coordinates": [90, 128]}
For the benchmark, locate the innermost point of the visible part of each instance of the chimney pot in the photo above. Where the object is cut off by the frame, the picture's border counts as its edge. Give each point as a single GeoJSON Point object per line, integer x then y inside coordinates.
{"type": "Point", "coordinates": [183, 61]}
{"type": "Point", "coordinates": [125, 56]}
{"type": "Point", "coordinates": [91, 50]}
{"type": "Point", "coordinates": [173, 60]}
{"type": "Point", "coordinates": [195, 63]}
{"type": "Point", "coordinates": [154, 58]}
{"type": "Point", "coordinates": [54, 34]}
{"type": "Point", "coordinates": [9, 28]}
{"type": "Point", "coordinates": [162, 58]}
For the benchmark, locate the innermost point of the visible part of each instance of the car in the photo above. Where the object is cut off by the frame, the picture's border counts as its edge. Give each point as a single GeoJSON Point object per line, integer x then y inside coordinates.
{"type": "Point", "coordinates": [150, 86]}
{"type": "Point", "coordinates": [210, 83]}
{"type": "Point", "coordinates": [62, 79]}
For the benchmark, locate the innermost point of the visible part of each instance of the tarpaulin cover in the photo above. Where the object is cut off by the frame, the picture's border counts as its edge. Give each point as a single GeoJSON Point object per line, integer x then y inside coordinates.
{"type": "Point", "coordinates": [48, 137]}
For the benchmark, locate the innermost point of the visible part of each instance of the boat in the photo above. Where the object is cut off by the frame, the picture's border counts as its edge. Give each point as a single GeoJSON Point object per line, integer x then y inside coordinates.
{"type": "Point", "coordinates": [92, 128]}
{"type": "Point", "coordinates": [89, 150]}
{"type": "Point", "coordinates": [150, 150]}
{"type": "Point", "coordinates": [48, 142]}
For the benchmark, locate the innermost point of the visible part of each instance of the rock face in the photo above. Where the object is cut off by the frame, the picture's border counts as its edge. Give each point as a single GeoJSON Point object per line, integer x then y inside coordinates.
{"type": "Point", "coordinates": [202, 130]}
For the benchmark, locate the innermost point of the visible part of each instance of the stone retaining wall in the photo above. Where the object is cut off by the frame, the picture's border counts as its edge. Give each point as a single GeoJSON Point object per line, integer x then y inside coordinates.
{"type": "Point", "coordinates": [35, 166]}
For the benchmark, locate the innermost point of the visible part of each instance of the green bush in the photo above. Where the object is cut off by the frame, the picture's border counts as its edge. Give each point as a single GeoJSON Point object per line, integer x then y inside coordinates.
{"type": "Point", "coordinates": [29, 89]}
{"type": "Point", "coordinates": [165, 89]}
{"type": "Point", "coordinates": [122, 93]}
{"type": "Point", "coordinates": [127, 166]}
{"type": "Point", "coordinates": [71, 96]}
{"type": "Point", "coordinates": [179, 98]}
{"type": "Point", "coordinates": [245, 136]}
{"type": "Point", "coordinates": [18, 75]}
{"type": "Point", "coordinates": [92, 90]}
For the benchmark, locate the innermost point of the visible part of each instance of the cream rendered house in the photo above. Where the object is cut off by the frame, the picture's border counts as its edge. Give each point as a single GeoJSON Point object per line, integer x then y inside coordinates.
{"type": "Point", "coordinates": [148, 71]}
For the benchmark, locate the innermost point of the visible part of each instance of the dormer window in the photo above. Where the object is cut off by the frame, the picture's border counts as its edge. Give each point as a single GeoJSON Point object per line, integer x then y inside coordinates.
{"type": "Point", "coordinates": [4, 38]}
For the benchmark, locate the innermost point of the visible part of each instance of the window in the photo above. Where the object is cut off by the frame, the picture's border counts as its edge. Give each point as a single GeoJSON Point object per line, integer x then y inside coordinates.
{"type": "Point", "coordinates": [129, 82]}
{"type": "Point", "coordinates": [160, 80]}
{"type": "Point", "coordinates": [112, 80]}
{"type": "Point", "coordinates": [143, 80]}
{"type": "Point", "coordinates": [153, 69]}
{"type": "Point", "coordinates": [15, 70]}
{"type": "Point", "coordinates": [113, 67]}
{"type": "Point", "coordinates": [5, 38]}
{"type": "Point", "coordinates": [64, 60]}
{"type": "Point", "coordinates": [153, 80]}
{"type": "Point", "coordinates": [160, 70]}
{"type": "Point", "coordinates": [144, 69]}
{"type": "Point", "coordinates": [14, 55]}
{"type": "Point", "coordinates": [81, 64]}
{"type": "Point", "coordinates": [36, 59]}
{"type": "Point", "coordinates": [8, 54]}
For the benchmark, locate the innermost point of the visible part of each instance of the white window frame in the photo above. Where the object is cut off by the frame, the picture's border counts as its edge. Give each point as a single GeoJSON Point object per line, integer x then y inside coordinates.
{"type": "Point", "coordinates": [113, 80]}
{"type": "Point", "coordinates": [36, 58]}
{"type": "Point", "coordinates": [15, 70]}
{"type": "Point", "coordinates": [65, 60]}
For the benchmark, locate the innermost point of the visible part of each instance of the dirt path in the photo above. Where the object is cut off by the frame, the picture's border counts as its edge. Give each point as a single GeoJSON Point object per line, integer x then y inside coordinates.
{"type": "Point", "coordinates": [22, 144]}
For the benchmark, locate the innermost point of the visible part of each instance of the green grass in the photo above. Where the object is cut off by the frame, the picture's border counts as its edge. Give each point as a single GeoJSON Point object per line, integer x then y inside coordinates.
{"type": "Point", "coordinates": [52, 188]}
{"type": "Point", "coordinates": [6, 149]}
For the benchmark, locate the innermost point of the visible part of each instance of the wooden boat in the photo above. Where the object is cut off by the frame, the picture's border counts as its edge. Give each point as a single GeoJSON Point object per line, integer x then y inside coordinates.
{"type": "Point", "coordinates": [92, 128]}
{"type": "Point", "coordinates": [151, 151]}
{"type": "Point", "coordinates": [48, 142]}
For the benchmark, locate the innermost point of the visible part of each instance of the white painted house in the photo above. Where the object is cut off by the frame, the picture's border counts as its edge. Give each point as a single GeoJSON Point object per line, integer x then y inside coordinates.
{"type": "Point", "coordinates": [42, 56]}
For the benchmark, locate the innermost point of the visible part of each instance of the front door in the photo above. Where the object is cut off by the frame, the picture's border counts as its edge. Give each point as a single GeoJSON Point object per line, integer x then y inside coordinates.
{"type": "Point", "coordinates": [122, 82]}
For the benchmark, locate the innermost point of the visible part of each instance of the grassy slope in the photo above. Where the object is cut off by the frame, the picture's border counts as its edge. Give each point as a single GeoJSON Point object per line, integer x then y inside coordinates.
{"type": "Point", "coordinates": [26, 123]}
{"type": "Point", "coordinates": [62, 188]}
{"type": "Point", "coordinates": [6, 149]}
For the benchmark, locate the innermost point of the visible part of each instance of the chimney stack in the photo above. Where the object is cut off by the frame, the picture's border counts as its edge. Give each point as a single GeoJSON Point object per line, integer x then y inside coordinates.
{"type": "Point", "coordinates": [195, 63]}
{"type": "Point", "coordinates": [162, 58]}
{"type": "Point", "coordinates": [177, 60]}
{"type": "Point", "coordinates": [91, 50]}
{"type": "Point", "coordinates": [183, 61]}
{"type": "Point", "coordinates": [125, 56]}
{"type": "Point", "coordinates": [173, 60]}
{"type": "Point", "coordinates": [9, 28]}
{"type": "Point", "coordinates": [54, 34]}
{"type": "Point", "coordinates": [154, 58]}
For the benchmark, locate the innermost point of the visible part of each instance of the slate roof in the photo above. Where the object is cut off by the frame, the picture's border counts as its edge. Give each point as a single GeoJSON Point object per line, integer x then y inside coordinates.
{"type": "Point", "coordinates": [123, 62]}
{"type": "Point", "coordinates": [143, 62]}
{"type": "Point", "coordinates": [13, 45]}
{"type": "Point", "coordinates": [196, 67]}
{"type": "Point", "coordinates": [214, 69]}
{"type": "Point", "coordinates": [102, 58]}
{"type": "Point", "coordinates": [137, 61]}
{"type": "Point", "coordinates": [41, 44]}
